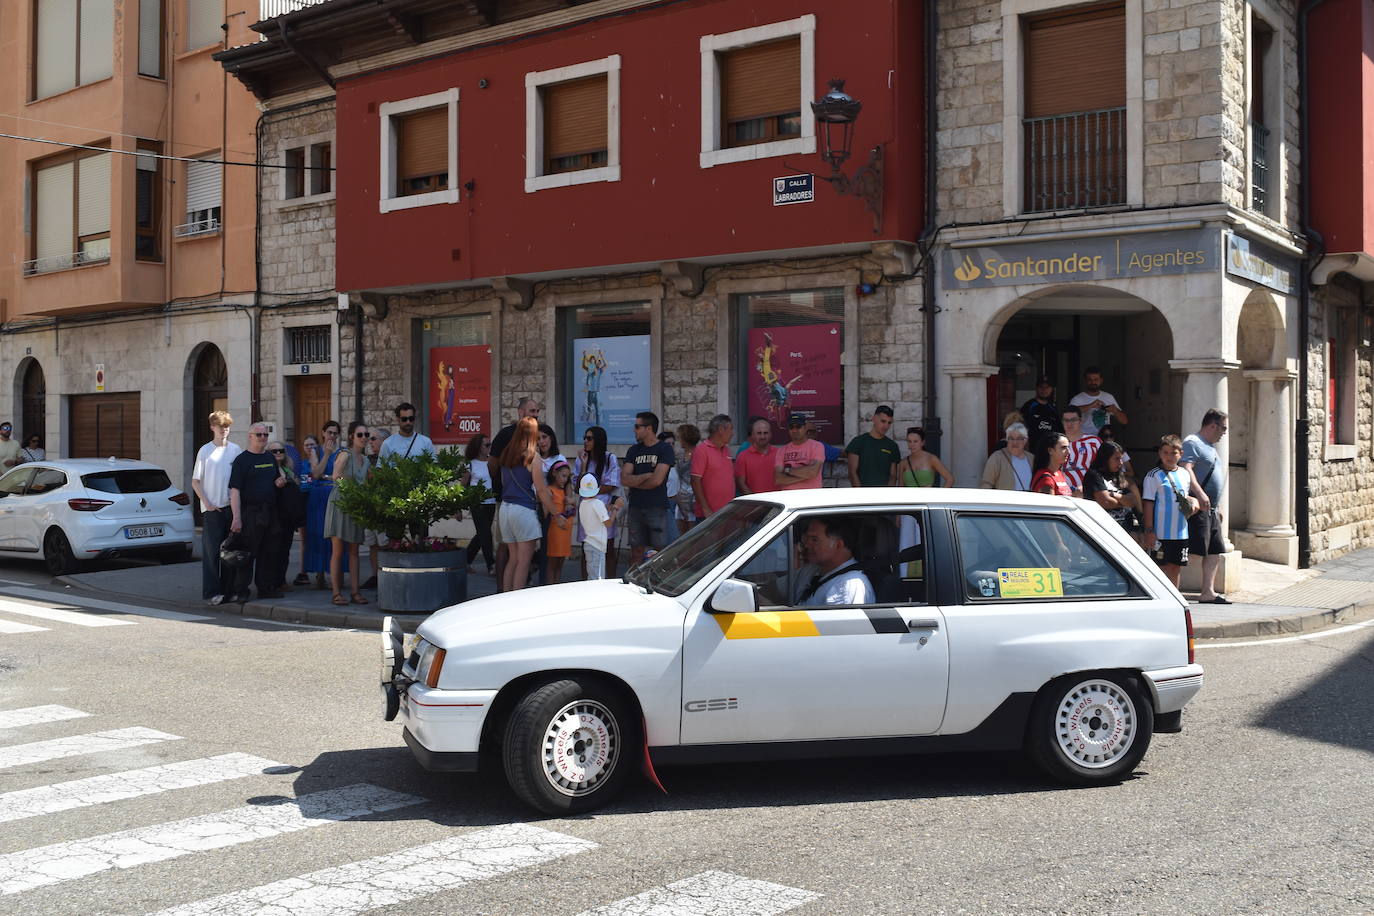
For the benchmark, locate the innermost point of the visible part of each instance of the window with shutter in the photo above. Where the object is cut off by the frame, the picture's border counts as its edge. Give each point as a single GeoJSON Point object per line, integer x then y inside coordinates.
{"type": "Point", "coordinates": [204, 21]}
{"type": "Point", "coordinates": [71, 213]}
{"type": "Point", "coordinates": [73, 44]}
{"type": "Point", "coordinates": [1075, 109]}
{"type": "Point", "coordinates": [96, 41]}
{"type": "Point", "coordinates": [150, 37]}
{"type": "Point", "coordinates": [148, 203]}
{"type": "Point", "coordinates": [575, 125]}
{"type": "Point", "coordinates": [761, 92]}
{"type": "Point", "coordinates": [421, 151]}
{"type": "Point", "coordinates": [93, 207]}
{"type": "Point", "coordinates": [203, 202]}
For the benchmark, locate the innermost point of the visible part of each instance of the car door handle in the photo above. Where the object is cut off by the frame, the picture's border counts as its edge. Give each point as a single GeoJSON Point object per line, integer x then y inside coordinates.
{"type": "Point", "coordinates": [923, 624]}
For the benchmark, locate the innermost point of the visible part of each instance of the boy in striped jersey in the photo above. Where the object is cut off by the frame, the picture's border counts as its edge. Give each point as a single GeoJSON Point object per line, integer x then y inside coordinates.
{"type": "Point", "coordinates": [1166, 522]}
{"type": "Point", "coordinates": [1082, 449]}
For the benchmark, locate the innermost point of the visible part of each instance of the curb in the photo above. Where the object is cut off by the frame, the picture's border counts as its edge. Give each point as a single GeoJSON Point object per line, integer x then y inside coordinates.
{"type": "Point", "coordinates": [1282, 625]}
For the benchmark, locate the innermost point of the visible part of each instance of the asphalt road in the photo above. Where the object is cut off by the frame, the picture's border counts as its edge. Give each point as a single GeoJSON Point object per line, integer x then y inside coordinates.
{"type": "Point", "coordinates": [1264, 803]}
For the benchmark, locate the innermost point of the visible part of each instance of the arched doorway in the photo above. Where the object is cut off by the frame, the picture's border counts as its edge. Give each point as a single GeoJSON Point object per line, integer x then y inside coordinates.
{"type": "Point", "coordinates": [33, 403]}
{"type": "Point", "coordinates": [1063, 332]}
{"type": "Point", "coordinates": [209, 392]}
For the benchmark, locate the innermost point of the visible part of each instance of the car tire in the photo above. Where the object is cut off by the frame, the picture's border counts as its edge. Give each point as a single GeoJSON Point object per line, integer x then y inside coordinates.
{"type": "Point", "coordinates": [57, 553]}
{"type": "Point", "coordinates": [179, 555]}
{"type": "Point", "coordinates": [569, 745]}
{"type": "Point", "coordinates": [1090, 729]}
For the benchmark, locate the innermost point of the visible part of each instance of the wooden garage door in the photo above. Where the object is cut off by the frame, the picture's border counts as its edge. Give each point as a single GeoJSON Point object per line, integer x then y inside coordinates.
{"type": "Point", "coordinates": [103, 425]}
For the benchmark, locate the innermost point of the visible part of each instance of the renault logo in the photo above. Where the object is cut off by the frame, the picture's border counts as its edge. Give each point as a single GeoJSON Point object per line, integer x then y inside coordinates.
{"type": "Point", "coordinates": [142, 502]}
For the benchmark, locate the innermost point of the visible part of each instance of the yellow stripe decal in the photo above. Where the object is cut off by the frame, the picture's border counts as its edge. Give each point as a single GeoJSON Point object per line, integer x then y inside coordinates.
{"type": "Point", "coordinates": [766, 624]}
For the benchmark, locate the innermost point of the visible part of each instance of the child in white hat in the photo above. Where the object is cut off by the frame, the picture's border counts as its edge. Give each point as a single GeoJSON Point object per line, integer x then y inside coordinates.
{"type": "Point", "coordinates": [595, 519]}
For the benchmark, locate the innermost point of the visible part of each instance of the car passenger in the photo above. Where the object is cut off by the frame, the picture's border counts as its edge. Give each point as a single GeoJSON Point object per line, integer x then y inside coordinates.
{"type": "Point", "coordinates": [828, 544]}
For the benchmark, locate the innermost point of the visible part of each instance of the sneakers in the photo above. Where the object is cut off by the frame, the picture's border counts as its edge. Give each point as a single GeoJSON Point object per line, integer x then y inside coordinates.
{"type": "Point", "coordinates": [216, 601]}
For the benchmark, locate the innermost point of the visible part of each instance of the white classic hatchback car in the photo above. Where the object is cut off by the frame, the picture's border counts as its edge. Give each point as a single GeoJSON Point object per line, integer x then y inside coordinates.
{"type": "Point", "coordinates": [73, 509]}
{"type": "Point", "coordinates": [814, 623]}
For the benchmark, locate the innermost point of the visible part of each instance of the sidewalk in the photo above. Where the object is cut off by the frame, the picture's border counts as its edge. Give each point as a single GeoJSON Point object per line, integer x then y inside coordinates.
{"type": "Point", "coordinates": [1277, 600]}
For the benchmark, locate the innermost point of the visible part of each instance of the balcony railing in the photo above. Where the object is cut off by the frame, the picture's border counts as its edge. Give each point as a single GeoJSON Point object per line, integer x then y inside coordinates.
{"type": "Point", "coordinates": [268, 9]}
{"type": "Point", "coordinates": [199, 227]}
{"type": "Point", "coordinates": [1259, 167]}
{"type": "Point", "coordinates": [1075, 161]}
{"type": "Point", "coordinates": [65, 261]}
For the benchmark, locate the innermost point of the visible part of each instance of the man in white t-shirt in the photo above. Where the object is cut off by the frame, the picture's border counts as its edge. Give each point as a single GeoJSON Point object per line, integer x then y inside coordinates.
{"type": "Point", "coordinates": [210, 481]}
{"type": "Point", "coordinates": [1099, 407]}
{"type": "Point", "coordinates": [407, 443]}
{"type": "Point", "coordinates": [828, 546]}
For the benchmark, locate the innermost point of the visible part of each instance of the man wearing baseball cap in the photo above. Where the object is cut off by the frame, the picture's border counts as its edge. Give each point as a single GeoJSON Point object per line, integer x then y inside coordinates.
{"type": "Point", "coordinates": [1040, 413]}
{"type": "Point", "coordinates": [797, 465]}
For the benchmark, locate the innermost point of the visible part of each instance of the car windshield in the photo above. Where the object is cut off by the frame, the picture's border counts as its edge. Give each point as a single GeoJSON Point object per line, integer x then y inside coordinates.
{"type": "Point", "coordinates": [140, 480]}
{"type": "Point", "coordinates": [677, 567]}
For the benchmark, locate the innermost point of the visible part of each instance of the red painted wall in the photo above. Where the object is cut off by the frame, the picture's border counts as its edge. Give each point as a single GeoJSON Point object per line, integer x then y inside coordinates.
{"type": "Point", "coordinates": [665, 207]}
{"type": "Point", "coordinates": [1341, 40]}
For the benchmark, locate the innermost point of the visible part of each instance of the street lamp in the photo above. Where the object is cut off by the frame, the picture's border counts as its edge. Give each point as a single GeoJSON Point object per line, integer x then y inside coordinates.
{"type": "Point", "coordinates": [836, 112]}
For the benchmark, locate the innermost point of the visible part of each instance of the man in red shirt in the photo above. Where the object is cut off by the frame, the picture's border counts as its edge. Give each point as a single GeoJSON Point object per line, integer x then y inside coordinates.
{"type": "Point", "coordinates": [754, 465]}
{"type": "Point", "coordinates": [713, 467]}
{"type": "Point", "coordinates": [797, 465]}
{"type": "Point", "coordinates": [1082, 449]}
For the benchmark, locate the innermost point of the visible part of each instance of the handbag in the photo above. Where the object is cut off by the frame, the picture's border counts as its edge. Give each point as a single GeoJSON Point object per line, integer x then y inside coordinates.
{"type": "Point", "coordinates": [1187, 505]}
{"type": "Point", "coordinates": [231, 552]}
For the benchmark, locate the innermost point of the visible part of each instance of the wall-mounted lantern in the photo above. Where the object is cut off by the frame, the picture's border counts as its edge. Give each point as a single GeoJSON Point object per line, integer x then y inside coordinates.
{"type": "Point", "coordinates": [836, 113]}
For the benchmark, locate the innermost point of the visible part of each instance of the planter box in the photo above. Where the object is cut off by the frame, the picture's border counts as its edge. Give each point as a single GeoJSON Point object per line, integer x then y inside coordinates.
{"type": "Point", "coordinates": [421, 583]}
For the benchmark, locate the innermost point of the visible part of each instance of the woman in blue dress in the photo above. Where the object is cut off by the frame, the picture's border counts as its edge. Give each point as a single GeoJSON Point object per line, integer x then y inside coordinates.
{"type": "Point", "coordinates": [315, 556]}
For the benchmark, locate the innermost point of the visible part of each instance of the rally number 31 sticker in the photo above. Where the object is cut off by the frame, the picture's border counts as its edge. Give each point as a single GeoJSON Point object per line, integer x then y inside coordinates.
{"type": "Point", "coordinates": [1030, 582]}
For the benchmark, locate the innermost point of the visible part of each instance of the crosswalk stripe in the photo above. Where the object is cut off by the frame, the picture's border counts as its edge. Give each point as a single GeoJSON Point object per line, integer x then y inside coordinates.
{"type": "Point", "coordinates": [711, 893]}
{"type": "Point", "coordinates": [59, 615]}
{"type": "Point", "coordinates": [9, 626]}
{"type": "Point", "coordinates": [55, 749]}
{"type": "Point", "coordinates": [109, 787]}
{"type": "Point", "coordinates": [38, 715]}
{"type": "Point", "coordinates": [76, 603]}
{"type": "Point", "coordinates": [44, 865]}
{"type": "Point", "coordinates": [396, 877]}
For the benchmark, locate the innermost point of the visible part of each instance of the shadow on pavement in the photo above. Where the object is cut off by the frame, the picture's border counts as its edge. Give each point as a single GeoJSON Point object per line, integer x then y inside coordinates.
{"type": "Point", "coordinates": [469, 800]}
{"type": "Point", "coordinates": [1337, 708]}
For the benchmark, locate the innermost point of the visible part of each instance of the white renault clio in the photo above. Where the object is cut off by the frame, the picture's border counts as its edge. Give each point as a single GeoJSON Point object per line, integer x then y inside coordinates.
{"type": "Point", "coordinates": [75, 509]}
{"type": "Point", "coordinates": [813, 623]}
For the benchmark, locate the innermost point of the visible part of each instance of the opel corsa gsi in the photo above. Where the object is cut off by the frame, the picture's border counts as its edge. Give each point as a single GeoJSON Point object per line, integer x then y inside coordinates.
{"type": "Point", "coordinates": [997, 621]}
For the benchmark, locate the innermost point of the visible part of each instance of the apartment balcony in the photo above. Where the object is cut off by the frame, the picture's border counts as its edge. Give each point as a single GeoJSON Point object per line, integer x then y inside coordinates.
{"type": "Point", "coordinates": [1075, 161]}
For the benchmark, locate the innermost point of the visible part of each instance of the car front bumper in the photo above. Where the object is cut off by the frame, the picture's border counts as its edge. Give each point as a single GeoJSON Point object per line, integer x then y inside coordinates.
{"type": "Point", "coordinates": [444, 727]}
{"type": "Point", "coordinates": [1172, 688]}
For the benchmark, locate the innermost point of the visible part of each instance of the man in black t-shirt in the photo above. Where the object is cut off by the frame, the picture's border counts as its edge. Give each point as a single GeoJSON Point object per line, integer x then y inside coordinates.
{"type": "Point", "coordinates": [254, 479]}
{"type": "Point", "coordinates": [644, 474]}
{"type": "Point", "coordinates": [1040, 413]}
{"type": "Point", "coordinates": [528, 407]}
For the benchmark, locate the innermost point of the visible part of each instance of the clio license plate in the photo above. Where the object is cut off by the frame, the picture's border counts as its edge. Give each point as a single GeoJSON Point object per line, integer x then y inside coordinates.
{"type": "Point", "coordinates": [144, 531]}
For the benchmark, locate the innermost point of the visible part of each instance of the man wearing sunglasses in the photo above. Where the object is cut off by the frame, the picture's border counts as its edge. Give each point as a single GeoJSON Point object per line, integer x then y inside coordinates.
{"type": "Point", "coordinates": [254, 480]}
{"type": "Point", "coordinates": [9, 447]}
{"type": "Point", "coordinates": [407, 442]}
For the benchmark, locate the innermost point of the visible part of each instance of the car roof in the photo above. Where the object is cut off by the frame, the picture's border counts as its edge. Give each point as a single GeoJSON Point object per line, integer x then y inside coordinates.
{"type": "Point", "coordinates": [92, 465]}
{"type": "Point", "coordinates": [852, 497]}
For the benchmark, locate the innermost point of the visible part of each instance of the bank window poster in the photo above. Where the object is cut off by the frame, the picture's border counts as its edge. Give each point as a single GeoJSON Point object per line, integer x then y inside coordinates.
{"type": "Point", "coordinates": [610, 384]}
{"type": "Point", "coordinates": [796, 369]}
{"type": "Point", "coordinates": [459, 389]}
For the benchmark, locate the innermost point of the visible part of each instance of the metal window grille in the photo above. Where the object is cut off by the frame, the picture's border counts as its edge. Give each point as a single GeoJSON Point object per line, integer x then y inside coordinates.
{"type": "Point", "coordinates": [308, 345]}
{"type": "Point", "coordinates": [269, 9]}
{"type": "Point", "coordinates": [1075, 161]}
{"type": "Point", "coordinates": [1259, 168]}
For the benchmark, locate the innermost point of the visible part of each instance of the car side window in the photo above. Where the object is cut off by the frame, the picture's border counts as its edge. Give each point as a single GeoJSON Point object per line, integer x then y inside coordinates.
{"type": "Point", "coordinates": [13, 483]}
{"type": "Point", "coordinates": [828, 560]}
{"type": "Point", "coordinates": [1014, 558]}
{"type": "Point", "coordinates": [46, 480]}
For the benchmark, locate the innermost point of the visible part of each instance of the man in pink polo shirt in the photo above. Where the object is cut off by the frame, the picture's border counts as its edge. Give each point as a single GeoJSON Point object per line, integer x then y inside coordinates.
{"type": "Point", "coordinates": [797, 465]}
{"type": "Point", "coordinates": [754, 465]}
{"type": "Point", "coordinates": [713, 467]}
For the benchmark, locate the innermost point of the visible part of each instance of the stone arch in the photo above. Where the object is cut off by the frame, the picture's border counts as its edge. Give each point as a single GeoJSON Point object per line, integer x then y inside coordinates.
{"type": "Point", "coordinates": [30, 399]}
{"type": "Point", "coordinates": [1099, 291]}
{"type": "Point", "coordinates": [1260, 332]}
{"type": "Point", "coordinates": [205, 380]}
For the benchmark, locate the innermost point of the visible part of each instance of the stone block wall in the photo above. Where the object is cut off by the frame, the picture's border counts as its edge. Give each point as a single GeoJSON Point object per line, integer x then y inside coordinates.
{"type": "Point", "coordinates": [969, 130]}
{"type": "Point", "coordinates": [296, 247]}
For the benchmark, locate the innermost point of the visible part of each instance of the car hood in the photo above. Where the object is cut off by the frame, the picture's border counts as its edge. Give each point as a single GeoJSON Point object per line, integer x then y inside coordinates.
{"type": "Point", "coordinates": [552, 605]}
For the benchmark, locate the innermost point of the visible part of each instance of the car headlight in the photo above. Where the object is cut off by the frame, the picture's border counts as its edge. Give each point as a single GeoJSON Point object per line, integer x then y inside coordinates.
{"type": "Point", "coordinates": [430, 663]}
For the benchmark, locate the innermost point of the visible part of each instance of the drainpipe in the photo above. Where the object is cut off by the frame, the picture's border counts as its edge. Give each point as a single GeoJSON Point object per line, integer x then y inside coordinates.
{"type": "Point", "coordinates": [1302, 465]}
{"type": "Point", "coordinates": [929, 420]}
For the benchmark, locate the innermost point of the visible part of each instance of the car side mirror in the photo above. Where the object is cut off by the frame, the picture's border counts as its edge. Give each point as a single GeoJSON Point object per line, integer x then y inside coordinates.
{"type": "Point", "coordinates": [734, 596]}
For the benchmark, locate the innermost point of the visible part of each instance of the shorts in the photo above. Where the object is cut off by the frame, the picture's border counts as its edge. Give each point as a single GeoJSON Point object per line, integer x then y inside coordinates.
{"type": "Point", "coordinates": [375, 538]}
{"type": "Point", "coordinates": [1204, 534]}
{"type": "Point", "coordinates": [518, 524]}
{"type": "Point", "coordinates": [648, 527]}
{"type": "Point", "coordinates": [1171, 553]}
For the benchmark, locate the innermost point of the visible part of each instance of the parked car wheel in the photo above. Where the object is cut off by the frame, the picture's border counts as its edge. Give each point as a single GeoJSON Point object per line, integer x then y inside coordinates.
{"type": "Point", "coordinates": [57, 553]}
{"type": "Point", "coordinates": [1091, 729]}
{"type": "Point", "coordinates": [570, 745]}
{"type": "Point", "coordinates": [177, 555]}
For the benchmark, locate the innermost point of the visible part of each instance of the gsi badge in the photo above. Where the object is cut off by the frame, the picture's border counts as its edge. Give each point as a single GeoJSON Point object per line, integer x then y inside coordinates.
{"type": "Point", "coordinates": [711, 705]}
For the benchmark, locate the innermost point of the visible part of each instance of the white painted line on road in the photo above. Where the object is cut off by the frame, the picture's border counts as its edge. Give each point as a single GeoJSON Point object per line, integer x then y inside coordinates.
{"type": "Point", "coordinates": [109, 787]}
{"type": "Point", "coordinates": [117, 740]}
{"type": "Point", "coordinates": [75, 602]}
{"type": "Point", "coordinates": [1287, 639]}
{"type": "Point", "coordinates": [44, 865]}
{"type": "Point", "coordinates": [9, 626]}
{"type": "Point", "coordinates": [711, 893]}
{"type": "Point", "coordinates": [59, 615]}
{"type": "Point", "coordinates": [397, 877]}
{"type": "Point", "coordinates": [38, 715]}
